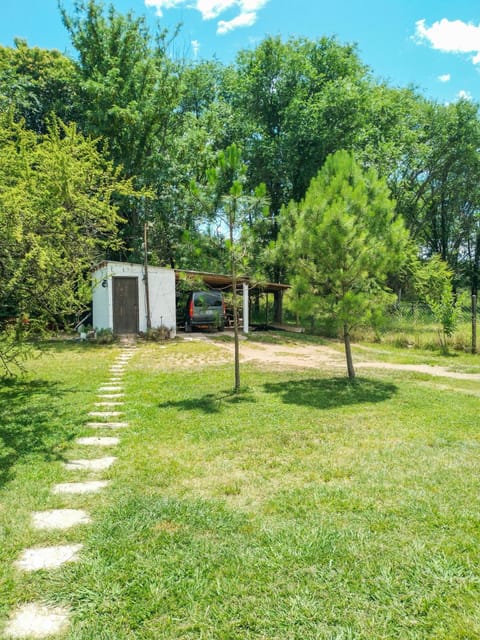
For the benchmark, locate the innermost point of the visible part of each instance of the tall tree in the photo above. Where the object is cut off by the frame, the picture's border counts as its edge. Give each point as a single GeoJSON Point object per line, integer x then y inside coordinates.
{"type": "Point", "coordinates": [129, 94]}
{"type": "Point", "coordinates": [451, 192]}
{"type": "Point", "coordinates": [344, 240]}
{"type": "Point", "coordinates": [297, 101]}
{"type": "Point", "coordinates": [434, 174]}
{"type": "Point", "coordinates": [37, 83]}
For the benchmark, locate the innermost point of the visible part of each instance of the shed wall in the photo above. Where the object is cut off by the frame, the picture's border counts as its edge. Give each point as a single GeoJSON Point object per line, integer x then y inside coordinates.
{"type": "Point", "coordinates": [161, 289]}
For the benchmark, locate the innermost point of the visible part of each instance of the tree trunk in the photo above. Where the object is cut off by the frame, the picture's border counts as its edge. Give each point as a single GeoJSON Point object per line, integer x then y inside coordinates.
{"type": "Point", "coordinates": [348, 352]}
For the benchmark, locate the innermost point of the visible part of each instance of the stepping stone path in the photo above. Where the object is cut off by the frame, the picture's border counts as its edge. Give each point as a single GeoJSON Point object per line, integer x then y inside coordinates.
{"type": "Point", "coordinates": [37, 620]}
{"type": "Point", "coordinates": [109, 396]}
{"type": "Point", "coordinates": [108, 425]}
{"type": "Point", "coordinates": [59, 518]}
{"type": "Point", "coordinates": [105, 414]}
{"type": "Point", "coordinates": [91, 486]}
{"type": "Point", "coordinates": [48, 557]}
{"type": "Point", "coordinates": [110, 388]}
{"type": "Point", "coordinates": [90, 464]}
{"type": "Point", "coordinates": [108, 404]}
{"type": "Point", "coordinates": [99, 441]}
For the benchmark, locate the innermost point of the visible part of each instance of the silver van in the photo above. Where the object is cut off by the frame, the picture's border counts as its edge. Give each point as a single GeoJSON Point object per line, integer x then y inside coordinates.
{"type": "Point", "coordinates": [205, 309]}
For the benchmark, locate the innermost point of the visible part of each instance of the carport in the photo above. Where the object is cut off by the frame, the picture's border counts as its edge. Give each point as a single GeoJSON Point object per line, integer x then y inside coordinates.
{"type": "Point", "coordinates": [245, 286]}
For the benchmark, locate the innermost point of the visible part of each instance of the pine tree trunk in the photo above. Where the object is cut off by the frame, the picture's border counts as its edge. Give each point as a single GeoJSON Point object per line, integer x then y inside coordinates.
{"type": "Point", "coordinates": [348, 352]}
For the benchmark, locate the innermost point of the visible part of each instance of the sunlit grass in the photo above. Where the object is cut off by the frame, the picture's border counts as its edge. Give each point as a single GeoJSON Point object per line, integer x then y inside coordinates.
{"type": "Point", "coordinates": [306, 507]}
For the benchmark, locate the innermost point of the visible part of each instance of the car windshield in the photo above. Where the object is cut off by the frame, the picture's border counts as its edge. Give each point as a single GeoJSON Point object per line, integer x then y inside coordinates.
{"type": "Point", "coordinates": [208, 300]}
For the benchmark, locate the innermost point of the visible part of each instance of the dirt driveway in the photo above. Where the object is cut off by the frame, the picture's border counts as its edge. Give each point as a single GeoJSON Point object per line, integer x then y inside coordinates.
{"type": "Point", "coordinates": [318, 357]}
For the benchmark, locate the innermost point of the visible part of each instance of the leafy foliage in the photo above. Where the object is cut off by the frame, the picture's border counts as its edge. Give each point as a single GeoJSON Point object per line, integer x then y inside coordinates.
{"type": "Point", "coordinates": [57, 219]}
{"type": "Point", "coordinates": [434, 284]}
{"type": "Point", "coordinates": [288, 104]}
{"type": "Point", "coordinates": [37, 83]}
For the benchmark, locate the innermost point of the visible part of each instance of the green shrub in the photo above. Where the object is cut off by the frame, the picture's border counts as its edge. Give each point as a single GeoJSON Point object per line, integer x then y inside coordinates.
{"type": "Point", "coordinates": [157, 334]}
{"type": "Point", "coordinates": [104, 336]}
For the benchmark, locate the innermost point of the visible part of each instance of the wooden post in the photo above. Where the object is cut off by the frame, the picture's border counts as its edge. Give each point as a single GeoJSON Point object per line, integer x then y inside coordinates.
{"type": "Point", "coordinates": [246, 311]}
{"type": "Point", "coordinates": [474, 324]}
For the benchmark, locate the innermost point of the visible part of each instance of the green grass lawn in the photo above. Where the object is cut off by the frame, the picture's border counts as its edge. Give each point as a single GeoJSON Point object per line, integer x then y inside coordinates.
{"type": "Point", "coordinates": [305, 508]}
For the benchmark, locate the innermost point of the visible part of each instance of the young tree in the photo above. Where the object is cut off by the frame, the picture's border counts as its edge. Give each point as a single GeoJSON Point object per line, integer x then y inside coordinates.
{"type": "Point", "coordinates": [433, 281]}
{"type": "Point", "coordinates": [230, 204]}
{"type": "Point", "coordinates": [344, 240]}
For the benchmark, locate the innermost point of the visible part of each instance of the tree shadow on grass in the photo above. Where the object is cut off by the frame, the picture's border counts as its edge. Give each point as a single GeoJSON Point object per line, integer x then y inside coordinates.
{"type": "Point", "coordinates": [332, 392]}
{"type": "Point", "coordinates": [209, 403]}
{"type": "Point", "coordinates": [30, 422]}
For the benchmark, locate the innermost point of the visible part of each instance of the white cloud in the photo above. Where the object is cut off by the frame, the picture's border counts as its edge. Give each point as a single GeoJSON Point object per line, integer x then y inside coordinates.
{"type": "Point", "coordinates": [195, 47]}
{"type": "Point", "coordinates": [243, 20]}
{"type": "Point", "coordinates": [211, 9]}
{"type": "Point", "coordinates": [445, 78]}
{"type": "Point", "coordinates": [464, 95]}
{"type": "Point", "coordinates": [159, 5]}
{"type": "Point", "coordinates": [451, 36]}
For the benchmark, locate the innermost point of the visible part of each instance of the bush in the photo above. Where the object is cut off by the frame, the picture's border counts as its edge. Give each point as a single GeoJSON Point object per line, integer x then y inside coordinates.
{"type": "Point", "coordinates": [157, 334]}
{"type": "Point", "coordinates": [104, 336]}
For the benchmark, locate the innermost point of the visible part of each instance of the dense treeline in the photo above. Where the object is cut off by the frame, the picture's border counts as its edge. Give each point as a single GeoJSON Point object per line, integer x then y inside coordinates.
{"type": "Point", "coordinates": [156, 125]}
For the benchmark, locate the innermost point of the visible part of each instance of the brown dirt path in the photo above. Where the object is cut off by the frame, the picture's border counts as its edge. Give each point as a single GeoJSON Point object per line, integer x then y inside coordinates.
{"type": "Point", "coordinates": [318, 356]}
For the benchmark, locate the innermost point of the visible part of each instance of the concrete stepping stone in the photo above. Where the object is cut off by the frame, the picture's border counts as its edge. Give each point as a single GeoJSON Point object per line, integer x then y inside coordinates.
{"type": "Point", "coordinates": [37, 621]}
{"type": "Point", "coordinates": [48, 557]}
{"type": "Point", "coordinates": [59, 518]}
{"type": "Point", "coordinates": [110, 395]}
{"type": "Point", "coordinates": [91, 486]}
{"type": "Point", "coordinates": [90, 464]}
{"type": "Point", "coordinates": [114, 380]}
{"type": "Point", "coordinates": [107, 425]}
{"type": "Point", "coordinates": [110, 388]}
{"type": "Point", "coordinates": [108, 404]}
{"type": "Point", "coordinates": [98, 441]}
{"type": "Point", "coordinates": [105, 414]}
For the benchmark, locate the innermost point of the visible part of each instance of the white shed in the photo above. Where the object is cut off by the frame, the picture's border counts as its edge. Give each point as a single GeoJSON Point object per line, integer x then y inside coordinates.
{"type": "Point", "coordinates": [120, 297]}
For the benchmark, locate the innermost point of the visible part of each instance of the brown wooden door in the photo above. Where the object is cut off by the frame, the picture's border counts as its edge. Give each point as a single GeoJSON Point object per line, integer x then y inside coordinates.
{"type": "Point", "coordinates": [125, 305]}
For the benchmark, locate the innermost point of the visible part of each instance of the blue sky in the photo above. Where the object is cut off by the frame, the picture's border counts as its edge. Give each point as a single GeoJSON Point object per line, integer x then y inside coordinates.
{"type": "Point", "coordinates": [431, 44]}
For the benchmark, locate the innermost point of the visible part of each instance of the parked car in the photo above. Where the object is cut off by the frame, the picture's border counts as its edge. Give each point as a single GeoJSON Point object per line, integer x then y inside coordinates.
{"type": "Point", "coordinates": [205, 309]}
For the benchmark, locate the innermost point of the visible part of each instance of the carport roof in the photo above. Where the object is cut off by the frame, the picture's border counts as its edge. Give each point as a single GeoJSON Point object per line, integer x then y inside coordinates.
{"type": "Point", "coordinates": [221, 281]}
